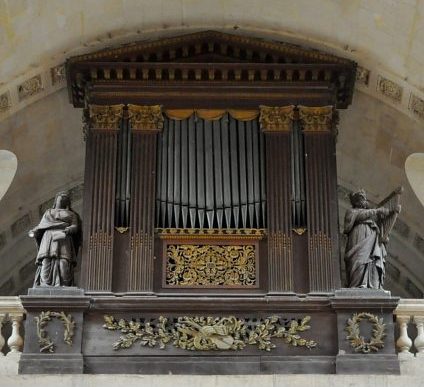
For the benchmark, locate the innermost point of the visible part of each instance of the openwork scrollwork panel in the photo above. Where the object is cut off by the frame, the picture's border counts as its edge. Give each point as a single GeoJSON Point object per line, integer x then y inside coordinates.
{"type": "Point", "coordinates": [211, 265]}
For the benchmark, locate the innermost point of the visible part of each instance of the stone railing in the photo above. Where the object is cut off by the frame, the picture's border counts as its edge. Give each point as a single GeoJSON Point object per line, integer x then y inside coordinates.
{"type": "Point", "coordinates": [11, 341]}
{"type": "Point", "coordinates": [409, 317]}
{"type": "Point", "coordinates": [410, 311]}
{"type": "Point", "coordinates": [410, 341]}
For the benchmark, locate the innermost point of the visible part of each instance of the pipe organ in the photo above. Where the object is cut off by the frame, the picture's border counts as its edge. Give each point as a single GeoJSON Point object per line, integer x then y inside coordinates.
{"type": "Point", "coordinates": [210, 220]}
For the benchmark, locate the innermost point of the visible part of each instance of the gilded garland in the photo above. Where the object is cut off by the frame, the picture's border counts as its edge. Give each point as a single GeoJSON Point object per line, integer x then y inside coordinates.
{"type": "Point", "coordinates": [210, 333]}
{"type": "Point", "coordinates": [46, 344]}
{"type": "Point", "coordinates": [357, 341]}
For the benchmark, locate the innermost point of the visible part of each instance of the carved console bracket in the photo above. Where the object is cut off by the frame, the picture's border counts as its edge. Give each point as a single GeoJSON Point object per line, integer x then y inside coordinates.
{"type": "Point", "coordinates": [210, 333]}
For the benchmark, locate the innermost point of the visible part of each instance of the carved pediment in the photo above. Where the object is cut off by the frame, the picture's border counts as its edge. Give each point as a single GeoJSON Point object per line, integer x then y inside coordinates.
{"type": "Point", "coordinates": [210, 57]}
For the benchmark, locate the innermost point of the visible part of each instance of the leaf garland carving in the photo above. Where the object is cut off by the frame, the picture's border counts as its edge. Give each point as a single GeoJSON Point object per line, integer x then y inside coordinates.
{"type": "Point", "coordinates": [357, 341]}
{"type": "Point", "coordinates": [42, 320]}
{"type": "Point", "coordinates": [209, 333]}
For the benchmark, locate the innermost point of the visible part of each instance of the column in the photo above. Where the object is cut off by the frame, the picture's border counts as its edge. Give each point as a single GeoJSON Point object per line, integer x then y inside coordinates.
{"type": "Point", "coordinates": [145, 123]}
{"type": "Point", "coordinates": [321, 195]}
{"type": "Point", "coordinates": [99, 197]}
{"type": "Point", "coordinates": [276, 124]}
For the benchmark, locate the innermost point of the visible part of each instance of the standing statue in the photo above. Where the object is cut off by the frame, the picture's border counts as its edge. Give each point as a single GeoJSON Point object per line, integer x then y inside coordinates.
{"type": "Point", "coordinates": [58, 237]}
{"type": "Point", "coordinates": [367, 232]}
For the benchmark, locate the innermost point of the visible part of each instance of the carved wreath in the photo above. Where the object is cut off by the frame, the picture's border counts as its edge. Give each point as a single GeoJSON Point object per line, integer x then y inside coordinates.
{"type": "Point", "coordinates": [357, 341]}
{"type": "Point", "coordinates": [46, 343]}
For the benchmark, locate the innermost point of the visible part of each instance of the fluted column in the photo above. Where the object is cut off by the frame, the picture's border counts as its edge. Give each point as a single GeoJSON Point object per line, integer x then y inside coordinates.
{"type": "Point", "coordinates": [276, 124]}
{"type": "Point", "coordinates": [145, 123]}
{"type": "Point", "coordinates": [104, 123]}
{"type": "Point", "coordinates": [321, 193]}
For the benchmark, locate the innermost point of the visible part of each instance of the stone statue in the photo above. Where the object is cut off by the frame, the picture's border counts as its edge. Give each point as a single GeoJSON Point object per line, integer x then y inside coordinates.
{"type": "Point", "coordinates": [367, 235]}
{"type": "Point", "coordinates": [58, 237]}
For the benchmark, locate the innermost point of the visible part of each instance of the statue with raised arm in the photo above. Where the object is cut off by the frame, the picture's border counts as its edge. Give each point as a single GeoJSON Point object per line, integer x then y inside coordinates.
{"type": "Point", "coordinates": [58, 237]}
{"type": "Point", "coordinates": [367, 231]}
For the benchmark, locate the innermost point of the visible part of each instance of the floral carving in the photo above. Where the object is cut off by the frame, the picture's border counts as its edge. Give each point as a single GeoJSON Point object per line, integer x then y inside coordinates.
{"type": "Point", "coordinates": [106, 117]}
{"type": "Point", "coordinates": [30, 87]}
{"type": "Point", "coordinates": [276, 119]}
{"type": "Point", "coordinates": [197, 265]}
{"type": "Point", "coordinates": [390, 89]}
{"type": "Point", "coordinates": [146, 118]}
{"type": "Point", "coordinates": [210, 333]}
{"type": "Point", "coordinates": [316, 119]}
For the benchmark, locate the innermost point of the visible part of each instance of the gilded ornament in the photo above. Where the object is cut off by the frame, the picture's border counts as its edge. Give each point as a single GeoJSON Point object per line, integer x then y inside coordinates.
{"type": "Point", "coordinates": [210, 333]}
{"type": "Point", "coordinates": [42, 320]}
{"type": "Point", "coordinates": [146, 118]}
{"type": "Point", "coordinates": [389, 88]}
{"type": "Point", "coordinates": [105, 117]}
{"type": "Point", "coordinates": [299, 230]}
{"type": "Point", "coordinates": [276, 119]}
{"type": "Point", "coordinates": [357, 341]}
{"type": "Point", "coordinates": [210, 265]}
{"type": "Point", "coordinates": [212, 233]}
{"type": "Point", "coordinates": [316, 119]}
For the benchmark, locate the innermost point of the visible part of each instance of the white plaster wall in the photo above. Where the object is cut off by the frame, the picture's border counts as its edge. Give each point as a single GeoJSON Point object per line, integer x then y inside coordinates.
{"type": "Point", "coordinates": [387, 32]}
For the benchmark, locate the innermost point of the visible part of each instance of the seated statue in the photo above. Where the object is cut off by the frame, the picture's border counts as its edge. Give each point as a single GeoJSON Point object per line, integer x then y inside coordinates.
{"type": "Point", "coordinates": [365, 254]}
{"type": "Point", "coordinates": [58, 237]}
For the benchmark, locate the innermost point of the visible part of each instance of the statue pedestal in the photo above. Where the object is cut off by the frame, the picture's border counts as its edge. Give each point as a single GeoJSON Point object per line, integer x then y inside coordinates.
{"type": "Point", "coordinates": [53, 330]}
{"type": "Point", "coordinates": [367, 314]}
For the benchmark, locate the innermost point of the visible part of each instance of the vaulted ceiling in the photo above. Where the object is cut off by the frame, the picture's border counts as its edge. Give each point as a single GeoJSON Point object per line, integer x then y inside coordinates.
{"type": "Point", "coordinates": [382, 127]}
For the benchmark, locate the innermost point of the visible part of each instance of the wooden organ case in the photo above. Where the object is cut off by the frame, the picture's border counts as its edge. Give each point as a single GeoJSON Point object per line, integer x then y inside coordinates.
{"type": "Point", "coordinates": [210, 206]}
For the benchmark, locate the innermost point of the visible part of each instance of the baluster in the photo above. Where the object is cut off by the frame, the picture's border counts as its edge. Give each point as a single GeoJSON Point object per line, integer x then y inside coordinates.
{"type": "Point", "coordinates": [419, 340]}
{"type": "Point", "coordinates": [2, 341]}
{"type": "Point", "coordinates": [15, 341]}
{"type": "Point", "coordinates": [404, 343]}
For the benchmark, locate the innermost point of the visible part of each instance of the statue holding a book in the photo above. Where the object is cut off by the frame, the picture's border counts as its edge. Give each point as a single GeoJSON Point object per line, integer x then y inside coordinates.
{"type": "Point", "coordinates": [58, 237]}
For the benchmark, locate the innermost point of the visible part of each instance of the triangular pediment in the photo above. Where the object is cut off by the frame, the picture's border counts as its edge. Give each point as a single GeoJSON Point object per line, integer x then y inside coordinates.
{"type": "Point", "coordinates": [212, 47]}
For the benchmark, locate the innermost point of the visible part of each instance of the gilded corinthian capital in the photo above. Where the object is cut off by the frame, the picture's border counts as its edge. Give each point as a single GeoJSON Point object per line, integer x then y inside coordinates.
{"type": "Point", "coordinates": [105, 116]}
{"type": "Point", "coordinates": [145, 118]}
{"type": "Point", "coordinates": [276, 119]}
{"type": "Point", "coordinates": [316, 119]}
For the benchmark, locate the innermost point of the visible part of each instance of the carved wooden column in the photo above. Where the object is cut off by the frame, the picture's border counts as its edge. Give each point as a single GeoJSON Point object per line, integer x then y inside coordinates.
{"type": "Point", "coordinates": [99, 199]}
{"type": "Point", "coordinates": [321, 182]}
{"type": "Point", "coordinates": [145, 123]}
{"type": "Point", "coordinates": [276, 123]}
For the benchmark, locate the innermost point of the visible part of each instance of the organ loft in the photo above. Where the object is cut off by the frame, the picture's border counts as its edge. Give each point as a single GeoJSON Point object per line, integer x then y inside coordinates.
{"type": "Point", "coordinates": [210, 236]}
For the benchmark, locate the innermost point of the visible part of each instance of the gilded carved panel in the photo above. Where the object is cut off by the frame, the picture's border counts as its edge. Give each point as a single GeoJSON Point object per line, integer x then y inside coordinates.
{"type": "Point", "coordinates": [193, 265]}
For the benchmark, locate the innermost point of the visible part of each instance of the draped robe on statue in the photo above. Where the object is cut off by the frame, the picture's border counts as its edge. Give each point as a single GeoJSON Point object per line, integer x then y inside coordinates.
{"type": "Point", "coordinates": [57, 249]}
{"type": "Point", "coordinates": [365, 253]}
